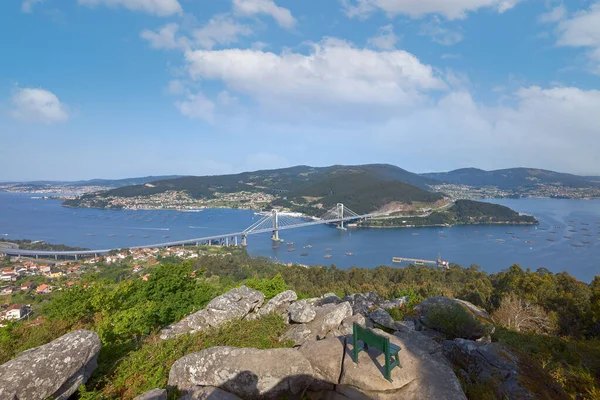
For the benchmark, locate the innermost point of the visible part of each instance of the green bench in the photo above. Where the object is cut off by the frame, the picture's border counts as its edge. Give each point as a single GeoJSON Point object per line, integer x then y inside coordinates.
{"type": "Point", "coordinates": [382, 343]}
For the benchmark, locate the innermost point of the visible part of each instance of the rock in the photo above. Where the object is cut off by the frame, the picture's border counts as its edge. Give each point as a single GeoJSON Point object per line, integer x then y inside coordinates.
{"type": "Point", "coordinates": [209, 393]}
{"type": "Point", "coordinates": [381, 317]}
{"type": "Point", "coordinates": [325, 357]}
{"type": "Point", "coordinates": [396, 303]}
{"type": "Point", "coordinates": [423, 375]}
{"type": "Point", "coordinates": [501, 371]}
{"type": "Point", "coordinates": [154, 394]}
{"type": "Point", "coordinates": [279, 303]}
{"type": "Point", "coordinates": [53, 370]}
{"type": "Point", "coordinates": [298, 333]}
{"type": "Point", "coordinates": [245, 372]}
{"type": "Point", "coordinates": [454, 318]}
{"type": "Point", "coordinates": [235, 304]}
{"type": "Point", "coordinates": [346, 325]}
{"type": "Point", "coordinates": [326, 323]}
{"type": "Point", "coordinates": [301, 311]}
{"type": "Point", "coordinates": [328, 298]}
{"type": "Point", "coordinates": [405, 325]}
{"type": "Point", "coordinates": [363, 303]}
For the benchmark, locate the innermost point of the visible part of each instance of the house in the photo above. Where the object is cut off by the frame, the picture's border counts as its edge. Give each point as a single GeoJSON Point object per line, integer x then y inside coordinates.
{"type": "Point", "coordinates": [137, 268]}
{"type": "Point", "coordinates": [16, 312]}
{"type": "Point", "coordinates": [27, 286]}
{"type": "Point", "coordinates": [45, 269]}
{"type": "Point", "coordinates": [54, 274]}
{"type": "Point", "coordinates": [70, 284]}
{"type": "Point", "coordinates": [8, 277]}
{"type": "Point", "coordinates": [5, 290]}
{"type": "Point", "coordinates": [145, 277]}
{"type": "Point", "coordinates": [44, 289]}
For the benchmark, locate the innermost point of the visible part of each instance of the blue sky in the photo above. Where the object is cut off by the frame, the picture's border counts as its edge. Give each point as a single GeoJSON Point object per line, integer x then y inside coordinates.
{"type": "Point", "coordinates": [121, 88]}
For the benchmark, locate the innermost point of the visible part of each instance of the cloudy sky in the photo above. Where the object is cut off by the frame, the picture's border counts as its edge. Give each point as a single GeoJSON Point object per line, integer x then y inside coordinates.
{"type": "Point", "coordinates": [121, 88]}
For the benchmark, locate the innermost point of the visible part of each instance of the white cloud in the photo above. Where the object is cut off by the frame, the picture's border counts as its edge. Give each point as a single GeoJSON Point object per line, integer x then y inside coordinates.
{"type": "Point", "coordinates": [249, 8]}
{"type": "Point", "coordinates": [439, 34]}
{"type": "Point", "coordinates": [386, 39]}
{"type": "Point", "coordinates": [165, 38]}
{"type": "Point", "coordinates": [582, 29]}
{"type": "Point", "coordinates": [162, 8]}
{"type": "Point", "coordinates": [38, 105]}
{"type": "Point", "coordinates": [197, 106]}
{"type": "Point", "coordinates": [451, 9]}
{"type": "Point", "coordinates": [554, 15]}
{"type": "Point", "coordinates": [220, 30]}
{"type": "Point", "coordinates": [334, 72]}
{"type": "Point", "coordinates": [176, 87]}
{"type": "Point", "coordinates": [27, 5]}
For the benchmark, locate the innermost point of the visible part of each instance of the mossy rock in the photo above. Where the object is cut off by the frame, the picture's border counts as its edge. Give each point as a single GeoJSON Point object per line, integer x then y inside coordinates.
{"type": "Point", "coordinates": [454, 318]}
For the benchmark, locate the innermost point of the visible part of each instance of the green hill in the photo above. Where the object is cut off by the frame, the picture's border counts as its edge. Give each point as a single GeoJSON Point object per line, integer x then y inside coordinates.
{"type": "Point", "coordinates": [512, 178]}
{"type": "Point", "coordinates": [363, 188]}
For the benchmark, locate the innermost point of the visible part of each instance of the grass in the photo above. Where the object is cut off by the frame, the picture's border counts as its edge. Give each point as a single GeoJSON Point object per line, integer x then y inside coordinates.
{"type": "Point", "coordinates": [574, 364]}
{"type": "Point", "coordinates": [125, 373]}
{"type": "Point", "coordinates": [454, 321]}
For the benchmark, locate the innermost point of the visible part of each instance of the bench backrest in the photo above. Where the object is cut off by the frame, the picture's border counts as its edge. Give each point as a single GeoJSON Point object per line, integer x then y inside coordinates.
{"type": "Point", "coordinates": [371, 338]}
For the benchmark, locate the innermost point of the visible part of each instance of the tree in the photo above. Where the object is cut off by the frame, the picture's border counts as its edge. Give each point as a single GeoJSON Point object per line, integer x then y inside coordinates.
{"type": "Point", "coordinates": [522, 315]}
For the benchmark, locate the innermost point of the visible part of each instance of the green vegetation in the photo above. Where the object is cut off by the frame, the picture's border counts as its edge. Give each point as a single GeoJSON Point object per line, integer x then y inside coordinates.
{"type": "Point", "coordinates": [463, 212]}
{"type": "Point", "coordinates": [37, 245]}
{"type": "Point", "coordinates": [127, 311]}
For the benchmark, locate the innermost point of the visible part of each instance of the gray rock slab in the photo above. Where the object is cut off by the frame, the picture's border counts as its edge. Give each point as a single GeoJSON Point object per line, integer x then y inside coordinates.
{"type": "Point", "coordinates": [53, 370]}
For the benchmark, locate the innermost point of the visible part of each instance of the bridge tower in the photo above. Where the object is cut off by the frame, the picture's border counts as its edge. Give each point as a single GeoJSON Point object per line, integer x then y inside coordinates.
{"type": "Point", "coordinates": [275, 219]}
{"type": "Point", "coordinates": [339, 210]}
{"type": "Point", "coordinates": [244, 241]}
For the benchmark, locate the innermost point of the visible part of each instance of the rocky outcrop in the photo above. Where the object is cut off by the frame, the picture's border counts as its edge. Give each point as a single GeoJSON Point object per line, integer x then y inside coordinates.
{"type": "Point", "coordinates": [235, 304]}
{"type": "Point", "coordinates": [208, 393]}
{"type": "Point", "coordinates": [245, 372]}
{"type": "Point", "coordinates": [363, 303]}
{"type": "Point", "coordinates": [154, 394]}
{"type": "Point", "coordinates": [280, 303]}
{"type": "Point", "coordinates": [326, 323]}
{"type": "Point", "coordinates": [328, 298]}
{"type": "Point", "coordinates": [301, 311]}
{"type": "Point", "coordinates": [53, 370]}
{"type": "Point", "coordinates": [346, 325]}
{"type": "Point", "coordinates": [424, 375]}
{"type": "Point", "coordinates": [501, 372]}
{"type": "Point", "coordinates": [381, 317]}
{"type": "Point", "coordinates": [325, 357]}
{"type": "Point", "coordinates": [454, 318]}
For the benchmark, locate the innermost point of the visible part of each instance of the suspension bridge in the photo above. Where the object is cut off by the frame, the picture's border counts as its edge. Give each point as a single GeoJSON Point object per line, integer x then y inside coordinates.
{"type": "Point", "coordinates": [273, 222]}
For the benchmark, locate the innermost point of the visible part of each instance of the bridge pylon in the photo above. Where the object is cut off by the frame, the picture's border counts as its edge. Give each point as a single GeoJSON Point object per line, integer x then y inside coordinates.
{"type": "Point", "coordinates": [275, 220]}
{"type": "Point", "coordinates": [339, 210]}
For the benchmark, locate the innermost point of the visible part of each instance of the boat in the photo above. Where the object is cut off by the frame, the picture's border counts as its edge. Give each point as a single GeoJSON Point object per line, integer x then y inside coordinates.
{"type": "Point", "coordinates": [290, 243]}
{"type": "Point", "coordinates": [567, 237]}
{"type": "Point", "coordinates": [416, 234]}
{"type": "Point", "coordinates": [290, 250]}
{"type": "Point", "coordinates": [500, 240]}
{"type": "Point", "coordinates": [576, 245]}
{"type": "Point", "coordinates": [91, 234]}
{"type": "Point", "coordinates": [166, 237]}
{"type": "Point", "coordinates": [585, 242]}
{"type": "Point", "coordinates": [552, 232]}
{"type": "Point", "coordinates": [131, 235]}
{"type": "Point", "coordinates": [584, 229]}
{"type": "Point", "coordinates": [328, 249]}
{"type": "Point", "coordinates": [529, 242]}
{"type": "Point", "coordinates": [587, 234]}
{"type": "Point", "coordinates": [308, 246]}
{"type": "Point", "coordinates": [327, 256]}
{"type": "Point", "coordinates": [303, 254]}
{"type": "Point", "coordinates": [275, 247]}
{"type": "Point", "coordinates": [516, 237]}
{"type": "Point", "coordinates": [146, 237]}
{"type": "Point", "coordinates": [112, 235]}
{"type": "Point", "coordinates": [550, 240]}
{"type": "Point", "coordinates": [349, 254]}
{"type": "Point", "coordinates": [510, 233]}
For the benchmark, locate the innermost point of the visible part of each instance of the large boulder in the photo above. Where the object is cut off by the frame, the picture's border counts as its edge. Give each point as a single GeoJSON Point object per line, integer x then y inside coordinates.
{"type": "Point", "coordinates": [53, 370]}
{"type": "Point", "coordinates": [245, 372]}
{"type": "Point", "coordinates": [383, 318]}
{"type": "Point", "coordinates": [279, 303]}
{"type": "Point", "coordinates": [235, 304]}
{"type": "Point", "coordinates": [325, 357]}
{"type": "Point", "coordinates": [326, 323]}
{"type": "Point", "coordinates": [346, 327]}
{"type": "Point", "coordinates": [503, 373]}
{"type": "Point", "coordinates": [301, 311]}
{"type": "Point", "coordinates": [208, 393]}
{"type": "Point", "coordinates": [454, 318]}
{"type": "Point", "coordinates": [328, 298]}
{"type": "Point", "coordinates": [154, 394]}
{"type": "Point", "coordinates": [424, 375]}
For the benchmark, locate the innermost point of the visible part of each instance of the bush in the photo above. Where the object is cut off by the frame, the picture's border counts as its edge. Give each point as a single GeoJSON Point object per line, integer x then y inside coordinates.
{"type": "Point", "coordinates": [148, 367]}
{"type": "Point", "coordinates": [270, 287]}
{"type": "Point", "coordinates": [455, 321]}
